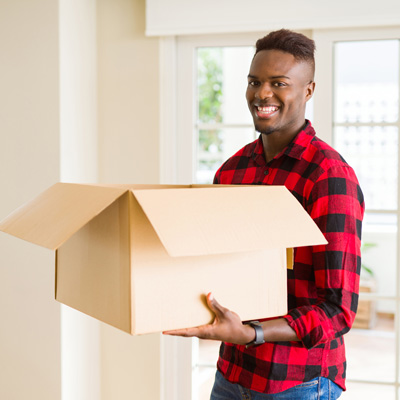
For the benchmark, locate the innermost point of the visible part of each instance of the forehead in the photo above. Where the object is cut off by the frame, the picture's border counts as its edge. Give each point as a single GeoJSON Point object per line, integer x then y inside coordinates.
{"type": "Point", "coordinates": [270, 63]}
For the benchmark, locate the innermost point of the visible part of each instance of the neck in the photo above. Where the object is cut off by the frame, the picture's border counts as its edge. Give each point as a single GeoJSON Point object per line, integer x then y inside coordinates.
{"type": "Point", "coordinates": [275, 142]}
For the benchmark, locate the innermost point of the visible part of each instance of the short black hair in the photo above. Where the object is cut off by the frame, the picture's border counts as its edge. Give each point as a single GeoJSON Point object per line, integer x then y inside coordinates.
{"type": "Point", "coordinates": [297, 44]}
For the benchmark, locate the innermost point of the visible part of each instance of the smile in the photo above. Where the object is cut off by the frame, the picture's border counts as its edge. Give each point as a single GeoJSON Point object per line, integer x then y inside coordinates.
{"type": "Point", "coordinates": [264, 112]}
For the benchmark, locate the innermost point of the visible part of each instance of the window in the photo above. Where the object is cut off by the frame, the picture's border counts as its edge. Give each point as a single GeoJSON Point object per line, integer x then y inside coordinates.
{"type": "Point", "coordinates": [356, 108]}
{"type": "Point", "coordinates": [224, 123]}
{"type": "Point", "coordinates": [366, 115]}
{"type": "Point", "coordinates": [365, 131]}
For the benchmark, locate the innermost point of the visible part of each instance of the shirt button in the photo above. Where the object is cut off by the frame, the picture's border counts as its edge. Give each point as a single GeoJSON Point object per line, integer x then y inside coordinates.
{"type": "Point", "coordinates": [266, 172]}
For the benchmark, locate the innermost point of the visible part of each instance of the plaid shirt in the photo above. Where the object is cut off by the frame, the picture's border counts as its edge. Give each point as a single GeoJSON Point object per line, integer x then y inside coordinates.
{"type": "Point", "coordinates": [323, 286]}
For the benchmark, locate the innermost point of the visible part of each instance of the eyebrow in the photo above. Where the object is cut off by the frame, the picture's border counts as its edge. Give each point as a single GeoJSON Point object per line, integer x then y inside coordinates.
{"type": "Point", "coordinates": [272, 77]}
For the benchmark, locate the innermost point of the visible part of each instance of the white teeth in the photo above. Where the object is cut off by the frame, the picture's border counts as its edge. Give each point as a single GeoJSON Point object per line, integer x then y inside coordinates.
{"type": "Point", "coordinates": [267, 109]}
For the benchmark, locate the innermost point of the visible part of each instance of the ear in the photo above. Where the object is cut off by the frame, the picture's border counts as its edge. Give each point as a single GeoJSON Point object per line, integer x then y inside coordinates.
{"type": "Point", "coordinates": [310, 90]}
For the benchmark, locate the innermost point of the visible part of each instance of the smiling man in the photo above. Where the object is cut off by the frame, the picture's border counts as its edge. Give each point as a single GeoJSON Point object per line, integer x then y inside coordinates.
{"type": "Point", "coordinates": [300, 355]}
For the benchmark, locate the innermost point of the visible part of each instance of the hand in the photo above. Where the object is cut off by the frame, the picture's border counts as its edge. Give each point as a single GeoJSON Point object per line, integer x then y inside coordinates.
{"type": "Point", "coordinates": [226, 327]}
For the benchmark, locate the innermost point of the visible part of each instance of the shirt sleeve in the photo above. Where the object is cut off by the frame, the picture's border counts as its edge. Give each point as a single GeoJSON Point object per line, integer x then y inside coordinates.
{"type": "Point", "coordinates": [336, 205]}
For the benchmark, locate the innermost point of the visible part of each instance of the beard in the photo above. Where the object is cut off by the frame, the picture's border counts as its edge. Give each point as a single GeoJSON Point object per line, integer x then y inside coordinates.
{"type": "Point", "coordinates": [264, 130]}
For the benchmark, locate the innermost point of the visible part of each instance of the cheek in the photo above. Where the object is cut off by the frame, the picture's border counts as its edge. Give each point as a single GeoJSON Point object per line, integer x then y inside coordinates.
{"type": "Point", "coordinates": [249, 98]}
{"type": "Point", "coordinates": [297, 101]}
{"type": "Point", "coordinates": [248, 94]}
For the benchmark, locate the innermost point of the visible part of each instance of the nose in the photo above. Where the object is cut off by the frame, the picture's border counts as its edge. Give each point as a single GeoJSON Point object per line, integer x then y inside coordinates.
{"type": "Point", "coordinates": [264, 92]}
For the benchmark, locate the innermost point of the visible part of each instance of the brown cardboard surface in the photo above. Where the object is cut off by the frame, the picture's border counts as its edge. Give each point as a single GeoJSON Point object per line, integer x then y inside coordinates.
{"type": "Point", "coordinates": [93, 267]}
{"type": "Point", "coordinates": [201, 221]}
{"type": "Point", "coordinates": [56, 214]}
{"type": "Point", "coordinates": [173, 287]}
{"type": "Point", "coordinates": [142, 259]}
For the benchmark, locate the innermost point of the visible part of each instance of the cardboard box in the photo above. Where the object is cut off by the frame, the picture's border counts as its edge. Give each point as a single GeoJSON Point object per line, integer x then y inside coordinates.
{"type": "Point", "coordinates": [143, 257]}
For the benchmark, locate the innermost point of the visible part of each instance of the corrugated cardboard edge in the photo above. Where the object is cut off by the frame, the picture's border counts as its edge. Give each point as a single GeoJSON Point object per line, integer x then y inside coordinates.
{"type": "Point", "coordinates": [30, 214]}
{"type": "Point", "coordinates": [290, 258]}
{"type": "Point", "coordinates": [132, 297]}
{"type": "Point", "coordinates": [55, 274]}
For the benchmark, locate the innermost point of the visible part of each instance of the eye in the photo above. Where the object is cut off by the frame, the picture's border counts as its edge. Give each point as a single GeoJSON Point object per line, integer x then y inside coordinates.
{"type": "Point", "coordinates": [279, 84]}
{"type": "Point", "coordinates": [254, 83]}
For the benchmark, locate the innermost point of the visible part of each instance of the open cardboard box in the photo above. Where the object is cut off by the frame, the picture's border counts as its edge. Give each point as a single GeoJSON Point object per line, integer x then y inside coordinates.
{"type": "Point", "coordinates": [143, 257]}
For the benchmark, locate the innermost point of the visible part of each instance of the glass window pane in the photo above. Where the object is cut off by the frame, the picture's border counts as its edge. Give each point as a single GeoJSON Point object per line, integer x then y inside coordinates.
{"type": "Point", "coordinates": [208, 356]}
{"type": "Point", "coordinates": [379, 259]}
{"type": "Point", "coordinates": [371, 352]}
{"type": "Point", "coordinates": [206, 376]}
{"type": "Point", "coordinates": [365, 391]}
{"type": "Point", "coordinates": [209, 84]}
{"type": "Point", "coordinates": [216, 146]}
{"type": "Point", "coordinates": [209, 155]}
{"type": "Point", "coordinates": [221, 84]}
{"type": "Point", "coordinates": [366, 81]}
{"type": "Point", "coordinates": [372, 152]}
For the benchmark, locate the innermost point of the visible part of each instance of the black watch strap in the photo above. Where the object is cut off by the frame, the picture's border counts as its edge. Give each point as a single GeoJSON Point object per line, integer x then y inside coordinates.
{"type": "Point", "coordinates": [259, 339]}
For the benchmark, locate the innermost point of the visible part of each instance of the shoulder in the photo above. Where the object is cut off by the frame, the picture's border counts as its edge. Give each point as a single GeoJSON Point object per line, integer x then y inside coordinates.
{"type": "Point", "coordinates": [330, 161]}
{"type": "Point", "coordinates": [238, 161]}
{"type": "Point", "coordinates": [325, 153]}
{"type": "Point", "coordinates": [336, 176]}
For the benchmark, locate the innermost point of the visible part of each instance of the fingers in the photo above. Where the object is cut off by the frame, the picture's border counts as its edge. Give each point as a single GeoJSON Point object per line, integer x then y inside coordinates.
{"type": "Point", "coordinates": [200, 332]}
{"type": "Point", "coordinates": [214, 331]}
{"type": "Point", "coordinates": [177, 332]}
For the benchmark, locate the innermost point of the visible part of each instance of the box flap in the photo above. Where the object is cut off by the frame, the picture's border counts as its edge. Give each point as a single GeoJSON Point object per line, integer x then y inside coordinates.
{"type": "Point", "coordinates": [201, 221]}
{"type": "Point", "coordinates": [56, 214]}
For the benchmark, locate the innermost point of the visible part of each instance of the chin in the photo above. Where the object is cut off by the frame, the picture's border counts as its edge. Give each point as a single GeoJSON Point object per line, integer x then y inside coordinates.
{"type": "Point", "coordinates": [266, 130]}
{"type": "Point", "coordinates": [266, 127]}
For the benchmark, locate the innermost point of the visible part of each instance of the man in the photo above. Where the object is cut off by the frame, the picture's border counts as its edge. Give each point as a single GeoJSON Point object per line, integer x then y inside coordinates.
{"type": "Point", "coordinates": [303, 355]}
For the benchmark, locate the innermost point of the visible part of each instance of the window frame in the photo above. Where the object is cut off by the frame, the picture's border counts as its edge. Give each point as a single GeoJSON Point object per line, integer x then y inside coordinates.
{"type": "Point", "coordinates": [178, 158]}
{"type": "Point", "coordinates": [324, 122]}
{"type": "Point", "coordinates": [177, 119]}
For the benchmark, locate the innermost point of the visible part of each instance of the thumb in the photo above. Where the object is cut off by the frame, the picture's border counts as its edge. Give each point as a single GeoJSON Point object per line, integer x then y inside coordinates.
{"type": "Point", "coordinates": [215, 307]}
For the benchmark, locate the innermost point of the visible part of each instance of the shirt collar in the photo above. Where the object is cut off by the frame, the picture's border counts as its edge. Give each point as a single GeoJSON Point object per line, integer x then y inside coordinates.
{"type": "Point", "coordinates": [294, 149]}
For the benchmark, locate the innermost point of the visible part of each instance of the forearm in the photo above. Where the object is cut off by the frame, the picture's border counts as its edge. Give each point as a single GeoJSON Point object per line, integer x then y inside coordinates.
{"type": "Point", "coordinates": [275, 330]}
{"type": "Point", "coordinates": [278, 330]}
{"type": "Point", "coordinates": [228, 327]}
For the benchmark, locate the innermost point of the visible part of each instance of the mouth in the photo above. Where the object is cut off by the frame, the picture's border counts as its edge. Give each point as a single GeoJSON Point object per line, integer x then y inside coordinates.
{"type": "Point", "coordinates": [266, 111]}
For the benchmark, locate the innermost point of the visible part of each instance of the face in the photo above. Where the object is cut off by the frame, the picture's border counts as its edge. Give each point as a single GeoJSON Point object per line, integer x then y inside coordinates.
{"type": "Point", "coordinates": [279, 87]}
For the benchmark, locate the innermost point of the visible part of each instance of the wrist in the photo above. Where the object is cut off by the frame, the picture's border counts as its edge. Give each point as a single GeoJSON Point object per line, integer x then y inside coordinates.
{"type": "Point", "coordinates": [258, 334]}
{"type": "Point", "coordinates": [249, 333]}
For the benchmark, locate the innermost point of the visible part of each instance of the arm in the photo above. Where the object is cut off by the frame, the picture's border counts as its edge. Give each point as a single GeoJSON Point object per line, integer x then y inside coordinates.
{"type": "Point", "coordinates": [228, 327]}
{"type": "Point", "coordinates": [336, 205]}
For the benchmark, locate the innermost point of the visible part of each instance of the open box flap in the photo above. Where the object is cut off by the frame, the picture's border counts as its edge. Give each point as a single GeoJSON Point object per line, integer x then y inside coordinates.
{"type": "Point", "coordinates": [57, 213]}
{"type": "Point", "coordinates": [202, 221]}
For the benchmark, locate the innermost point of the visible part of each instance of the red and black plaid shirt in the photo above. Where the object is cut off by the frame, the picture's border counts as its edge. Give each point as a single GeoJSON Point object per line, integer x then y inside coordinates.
{"type": "Point", "coordinates": [323, 286]}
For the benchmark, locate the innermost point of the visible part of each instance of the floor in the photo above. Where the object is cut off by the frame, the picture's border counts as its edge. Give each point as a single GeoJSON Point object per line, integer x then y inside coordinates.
{"type": "Point", "coordinates": [370, 357]}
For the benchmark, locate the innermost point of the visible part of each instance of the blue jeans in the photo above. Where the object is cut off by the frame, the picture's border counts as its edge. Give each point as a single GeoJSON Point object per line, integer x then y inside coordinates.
{"type": "Point", "coordinates": [317, 389]}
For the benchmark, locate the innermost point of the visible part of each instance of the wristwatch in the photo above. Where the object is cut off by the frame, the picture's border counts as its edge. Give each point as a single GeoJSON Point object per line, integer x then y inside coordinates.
{"type": "Point", "coordinates": [259, 339]}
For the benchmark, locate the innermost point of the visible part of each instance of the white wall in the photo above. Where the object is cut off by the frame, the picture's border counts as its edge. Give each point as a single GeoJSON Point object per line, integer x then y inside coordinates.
{"type": "Point", "coordinates": [182, 17]}
{"type": "Point", "coordinates": [128, 93]}
{"type": "Point", "coordinates": [128, 123]}
{"type": "Point", "coordinates": [81, 110]}
{"type": "Point", "coordinates": [29, 162]}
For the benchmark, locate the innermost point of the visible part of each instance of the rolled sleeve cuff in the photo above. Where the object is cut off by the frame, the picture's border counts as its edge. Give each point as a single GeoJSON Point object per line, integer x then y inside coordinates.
{"type": "Point", "coordinates": [310, 337]}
